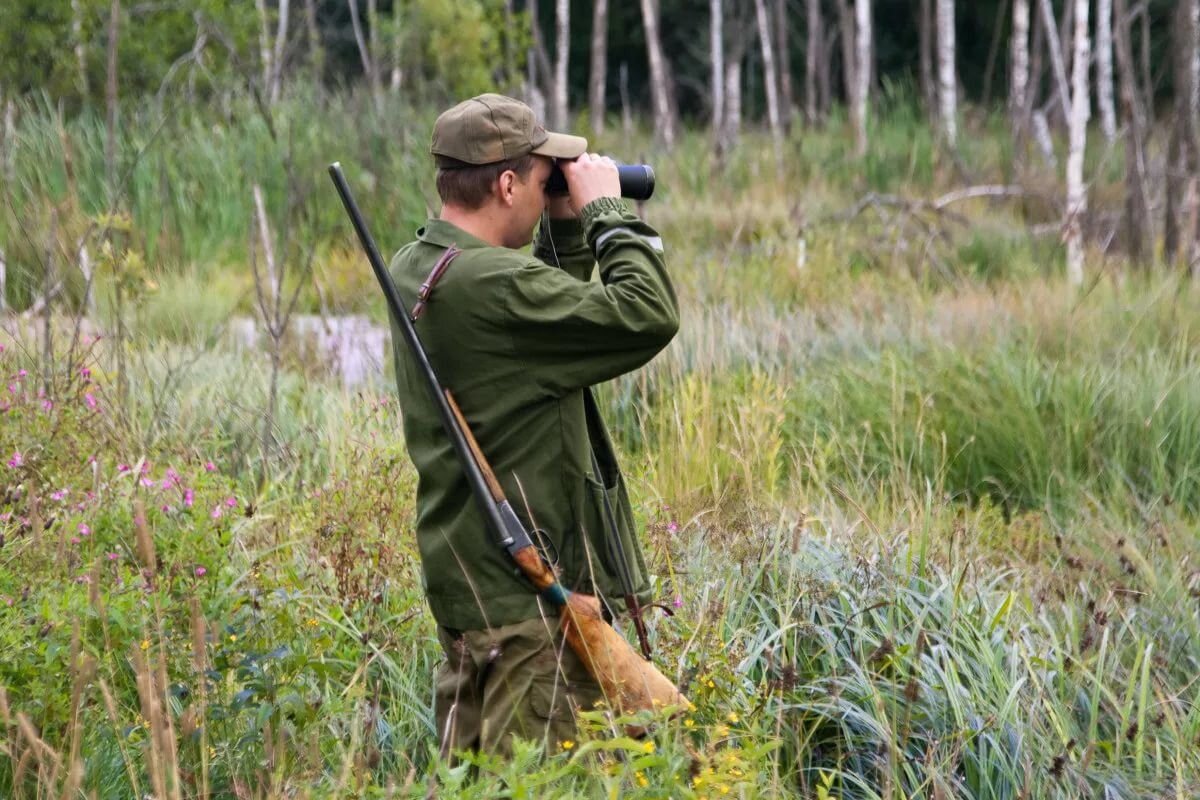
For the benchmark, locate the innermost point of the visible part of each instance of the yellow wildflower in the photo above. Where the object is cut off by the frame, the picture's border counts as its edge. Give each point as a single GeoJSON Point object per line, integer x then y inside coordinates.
{"type": "Point", "coordinates": [648, 747]}
{"type": "Point", "coordinates": [566, 744]}
{"type": "Point", "coordinates": [733, 716]}
{"type": "Point", "coordinates": [697, 782]}
{"type": "Point", "coordinates": [233, 637]}
{"type": "Point", "coordinates": [689, 723]}
{"type": "Point", "coordinates": [641, 779]}
{"type": "Point", "coordinates": [313, 622]}
{"type": "Point", "coordinates": [721, 730]}
{"type": "Point", "coordinates": [145, 644]}
{"type": "Point", "coordinates": [709, 683]}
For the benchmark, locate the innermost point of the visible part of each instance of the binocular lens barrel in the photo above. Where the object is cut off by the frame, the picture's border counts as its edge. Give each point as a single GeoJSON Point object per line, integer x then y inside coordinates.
{"type": "Point", "coordinates": [637, 181]}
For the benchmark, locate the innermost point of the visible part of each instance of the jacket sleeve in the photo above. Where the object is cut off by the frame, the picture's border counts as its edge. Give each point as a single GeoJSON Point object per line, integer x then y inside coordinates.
{"type": "Point", "coordinates": [572, 333]}
{"type": "Point", "coordinates": [561, 243]}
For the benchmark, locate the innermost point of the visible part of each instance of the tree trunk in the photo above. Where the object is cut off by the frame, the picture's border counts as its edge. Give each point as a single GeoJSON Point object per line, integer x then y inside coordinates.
{"type": "Point", "coordinates": [110, 101]}
{"type": "Point", "coordinates": [599, 65]}
{"type": "Point", "coordinates": [716, 60]}
{"type": "Point", "coordinates": [264, 44]}
{"type": "Point", "coordinates": [660, 78]}
{"type": "Point", "coordinates": [1104, 69]}
{"type": "Point", "coordinates": [1147, 77]}
{"type": "Point", "coordinates": [925, 57]}
{"type": "Point", "coordinates": [1018, 82]}
{"type": "Point", "coordinates": [733, 101]}
{"type": "Point", "coordinates": [1183, 160]}
{"type": "Point", "coordinates": [1054, 47]}
{"type": "Point", "coordinates": [562, 53]}
{"type": "Point", "coordinates": [1080, 109]}
{"type": "Point", "coordinates": [370, 68]}
{"type": "Point", "coordinates": [846, 31]}
{"type": "Point", "coordinates": [316, 50]}
{"type": "Point", "coordinates": [813, 56]}
{"type": "Point", "coordinates": [862, 72]}
{"type": "Point", "coordinates": [770, 81]}
{"type": "Point", "coordinates": [783, 62]}
{"type": "Point", "coordinates": [80, 47]}
{"type": "Point", "coordinates": [281, 33]}
{"type": "Point", "coordinates": [1138, 233]}
{"type": "Point", "coordinates": [947, 79]}
{"type": "Point", "coordinates": [397, 77]}
{"type": "Point", "coordinates": [626, 107]}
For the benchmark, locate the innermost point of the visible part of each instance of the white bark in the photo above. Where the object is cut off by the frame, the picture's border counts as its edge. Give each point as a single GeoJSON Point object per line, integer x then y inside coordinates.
{"type": "Point", "coordinates": [770, 80]}
{"type": "Point", "coordinates": [3, 282]}
{"type": "Point", "coordinates": [264, 43]}
{"type": "Point", "coordinates": [370, 68]}
{"type": "Point", "coordinates": [1056, 57]}
{"type": "Point", "coordinates": [947, 81]}
{"type": "Point", "coordinates": [1104, 69]}
{"type": "Point", "coordinates": [716, 51]}
{"type": "Point", "coordinates": [80, 46]}
{"type": "Point", "coordinates": [562, 51]}
{"type": "Point", "coordinates": [599, 67]}
{"type": "Point", "coordinates": [1018, 82]}
{"type": "Point", "coordinates": [397, 76]}
{"type": "Point", "coordinates": [733, 102]}
{"type": "Point", "coordinates": [85, 267]}
{"type": "Point", "coordinates": [1077, 134]}
{"type": "Point", "coordinates": [664, 114]}
{"type": "Point", "coordinates": [281, 33]}
{"type": "Point", "coordinates": [862, 72]}
{"type": "Point", "coordinates": [812, 52]}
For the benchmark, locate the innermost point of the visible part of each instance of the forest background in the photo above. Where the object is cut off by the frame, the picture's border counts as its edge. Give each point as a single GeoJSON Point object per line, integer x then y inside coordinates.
{"type": "Point", "coordinates": [920, 476]}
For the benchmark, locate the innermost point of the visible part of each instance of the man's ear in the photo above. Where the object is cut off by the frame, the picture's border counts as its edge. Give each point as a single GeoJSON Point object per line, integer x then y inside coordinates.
{"type": "Point", "coordinates": [505, 187]}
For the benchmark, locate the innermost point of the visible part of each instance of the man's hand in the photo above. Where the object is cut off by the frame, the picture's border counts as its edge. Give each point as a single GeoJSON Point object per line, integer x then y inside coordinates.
{"type": "Point", "coordinates": [590, 177]}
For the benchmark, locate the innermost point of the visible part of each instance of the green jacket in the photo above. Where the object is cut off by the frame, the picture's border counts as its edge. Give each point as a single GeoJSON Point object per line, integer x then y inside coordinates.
{"type": "Point", "coordinates": [519, 342]}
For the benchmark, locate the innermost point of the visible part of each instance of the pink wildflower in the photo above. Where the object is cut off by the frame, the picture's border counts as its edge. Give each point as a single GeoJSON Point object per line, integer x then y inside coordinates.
{"type": "Point", "coordinates": [166, 509]}
{"type": "Point", "coordinates": [12, 387]}
{"type": "Point", "coordinates": [21, 373]}
{"type": "Point", "coordinates": [145, 467]}
{"type": "Point", "coordinates": [210, 466]}
{"type": "Point", "coordinates": [59, 495]}
{"type": "Point", "coordinates": [147, 481]}
{"type": "Point", "coordinates": [84, 530]}
{"type": "Point", "coordinates": [16, 460]}
{"type": "Point", "coordinates": [90, 399]}
{"type": "Point", "coordinates": [113, 556]}
{"type": "Point", "coordinates": [217, 512]}
{"type": "Point", "coordinates": [91, 460]}
{"type": "Point", "coordinates": [188, 497]}
{"type": "Point", "coordinates": [74, 540]}
{"type": "Point", "coordinates": [85, 373]}
{"type": "Point", "coordinates": [677, 602]}
{"type": "Point", "coordinates": [201, 572]}
{"type": "Point", "coordinates": [47, 405]}
{"type": "Point", "coordinates": [231, 502]}
{"type": "Point", "coordinates": [123, 468]}
{"type": "Point", "coordinates": [672, 527]}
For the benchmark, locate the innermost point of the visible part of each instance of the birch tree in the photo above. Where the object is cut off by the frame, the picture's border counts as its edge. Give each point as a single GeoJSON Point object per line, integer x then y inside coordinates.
{"type": "Point", "coordinates": [716, 60]}
{"type": "Point", "coordinates": [947, 81]}
{"type": "Point", "coordinates": [80, 46]}
{"type": "Point", "coordinates": [660, 78]}
{"type": "Point", "coordinates": [1054, 48]}
{"type": "Point", "coordinates": [783, 60]}
{"type": "Point", "coordinates": [770, 80]}
{"type": "Point", "coordinates": [1136, 218]}
{"type": "Point", "coordinates": [312, 35]}
{"type": "Point", "coordinates": [1077, 134]}
{"type": "Point", "coordinates": [1104, 69]}
{"type": "Point", "coordinates": [596, 82]}
{"type": "Point", "coordinates": [1183, 158]}
{"type": "Point", "coordinates": [369, 64]}
{"type": "Point", "coordinates": [925, 56]}
{"type": "Point", "coordinates": [862, 72]}
{"type": "Point", "coordinates": [562, 52]}
{"type": "Point", "coordinates": [1018, 81]}
{"type": "Point", "coordinates": [814, 59]}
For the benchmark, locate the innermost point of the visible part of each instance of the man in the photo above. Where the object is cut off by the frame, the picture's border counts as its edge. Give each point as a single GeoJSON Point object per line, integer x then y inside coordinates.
{"type": "Point", "coordinates": [519, 340]}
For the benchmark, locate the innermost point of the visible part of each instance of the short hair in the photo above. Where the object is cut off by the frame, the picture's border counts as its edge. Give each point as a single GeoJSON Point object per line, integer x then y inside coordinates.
{"type": "Point", "coordinates": [469, 185]}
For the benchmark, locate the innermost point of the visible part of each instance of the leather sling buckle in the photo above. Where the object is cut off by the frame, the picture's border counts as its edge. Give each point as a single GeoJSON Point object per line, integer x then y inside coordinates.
{"type": "Point", "coordinates": [434, 275]}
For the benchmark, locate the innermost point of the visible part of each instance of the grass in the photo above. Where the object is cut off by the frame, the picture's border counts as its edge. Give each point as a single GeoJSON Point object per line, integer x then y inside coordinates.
{"type": "Point", "coordinates": [933, 520]}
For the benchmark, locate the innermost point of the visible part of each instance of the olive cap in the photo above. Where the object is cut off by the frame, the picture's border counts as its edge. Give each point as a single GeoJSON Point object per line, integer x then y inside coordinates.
{"type": "Point", "coordinates": [491, 128]}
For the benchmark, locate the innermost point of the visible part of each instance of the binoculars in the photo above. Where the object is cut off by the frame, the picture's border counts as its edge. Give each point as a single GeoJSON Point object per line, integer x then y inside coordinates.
{"type": "Point", "coordinates": [637, 181]}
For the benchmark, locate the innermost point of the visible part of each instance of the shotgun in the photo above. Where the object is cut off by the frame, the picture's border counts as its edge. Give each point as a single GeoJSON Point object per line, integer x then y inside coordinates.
{"type": "Point", "coordinates": [629, 682]}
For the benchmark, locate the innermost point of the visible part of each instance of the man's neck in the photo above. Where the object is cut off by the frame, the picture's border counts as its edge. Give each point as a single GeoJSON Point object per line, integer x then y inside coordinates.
{"type": "Point", "coordinates": [477, 222]}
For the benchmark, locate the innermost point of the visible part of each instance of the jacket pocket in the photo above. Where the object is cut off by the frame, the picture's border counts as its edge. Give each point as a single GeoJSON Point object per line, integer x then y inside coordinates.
{"type": "Point", "coordinates": [608, 508]}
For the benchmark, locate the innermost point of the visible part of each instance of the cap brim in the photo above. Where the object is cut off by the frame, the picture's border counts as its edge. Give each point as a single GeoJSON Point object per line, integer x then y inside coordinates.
{"type": "Point", "coordinates": [561, 145]}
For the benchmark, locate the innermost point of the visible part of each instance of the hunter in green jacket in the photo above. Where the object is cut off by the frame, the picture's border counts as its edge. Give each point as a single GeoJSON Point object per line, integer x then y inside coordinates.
{"type": "Point", "coordinates": [520, 339]}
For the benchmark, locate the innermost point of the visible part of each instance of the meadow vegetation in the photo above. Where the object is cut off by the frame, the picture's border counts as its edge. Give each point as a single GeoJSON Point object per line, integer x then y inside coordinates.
{"type": "Point", "coordinates": [929, 518]}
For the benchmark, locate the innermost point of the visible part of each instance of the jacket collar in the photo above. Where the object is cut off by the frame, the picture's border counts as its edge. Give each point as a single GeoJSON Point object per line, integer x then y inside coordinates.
{"type": "Point", "coordinates": [443, 234]}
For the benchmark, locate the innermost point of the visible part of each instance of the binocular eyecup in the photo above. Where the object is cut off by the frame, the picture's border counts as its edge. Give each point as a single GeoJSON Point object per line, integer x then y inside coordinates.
{"type": "Point", "coordinates": [637, 181]}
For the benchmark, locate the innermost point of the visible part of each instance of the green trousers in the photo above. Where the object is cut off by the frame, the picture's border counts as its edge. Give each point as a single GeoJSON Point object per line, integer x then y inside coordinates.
{"type": "Point", "coordinates": [513, 680]}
